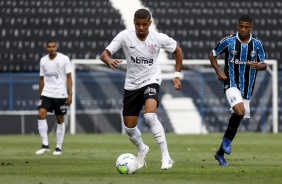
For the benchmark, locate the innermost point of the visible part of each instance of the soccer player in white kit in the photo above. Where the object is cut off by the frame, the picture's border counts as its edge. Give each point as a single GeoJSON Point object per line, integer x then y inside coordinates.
{"type": "Point", "coordinates": [55, 94]}
{"type": "Point", "coordinates": [141, 47]}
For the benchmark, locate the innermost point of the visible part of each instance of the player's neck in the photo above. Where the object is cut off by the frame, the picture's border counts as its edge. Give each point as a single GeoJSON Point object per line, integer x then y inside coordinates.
{"type": "Point", "coordinates": [245, 39]}
{"type": "Point", "coordinates": [51, 57]}
{"type": "Point", "coordinates": [142, 37]}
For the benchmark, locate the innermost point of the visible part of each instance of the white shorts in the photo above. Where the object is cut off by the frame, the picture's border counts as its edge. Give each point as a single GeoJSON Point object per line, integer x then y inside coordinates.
{"type": "Point", "coordinates": [234, 97]}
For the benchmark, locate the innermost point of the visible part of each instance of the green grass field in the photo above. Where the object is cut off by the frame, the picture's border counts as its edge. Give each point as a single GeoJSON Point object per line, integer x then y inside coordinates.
{"type": "Point", "coordinates": [90, 158]}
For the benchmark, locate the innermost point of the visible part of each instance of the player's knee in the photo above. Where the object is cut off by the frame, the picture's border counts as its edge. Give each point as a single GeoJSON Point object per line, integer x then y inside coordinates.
{"type": "Point", "coordinates": [240, 113]}
{"type": "Point", "coordinates": [150, 118]}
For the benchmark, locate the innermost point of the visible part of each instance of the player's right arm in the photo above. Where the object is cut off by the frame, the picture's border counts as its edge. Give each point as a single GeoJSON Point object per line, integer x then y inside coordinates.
{"type": "Point", "coordinates": [41, 85]}
{"type": "Point", "coordinates": [220, 74]}
{"type": "Point", "coordinates": [112, 63]}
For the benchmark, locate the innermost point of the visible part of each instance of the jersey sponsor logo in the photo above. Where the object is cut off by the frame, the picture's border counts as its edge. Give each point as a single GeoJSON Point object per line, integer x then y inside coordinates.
{"type": "Point", "coordinates": [152, 48]}
{"type": "Point", "coordinates": [142, 60]}
{"type": "Point", "coordinates": [52, 75]}
{"type": "Point", "coordinates": [238, 62]}
{"type": "Point", "coordinates": [150, 91]}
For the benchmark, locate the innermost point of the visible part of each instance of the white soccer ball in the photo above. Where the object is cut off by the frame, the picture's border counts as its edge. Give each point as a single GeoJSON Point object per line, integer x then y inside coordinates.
{"type": "Point", "coordinates": [126, 163]}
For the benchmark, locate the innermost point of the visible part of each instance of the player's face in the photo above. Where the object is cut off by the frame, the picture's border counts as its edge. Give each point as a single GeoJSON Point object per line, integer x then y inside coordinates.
{"type": "Point", "coordinates": [244, 29]}
{"type": "Point", "coordinates": [142, 27]}
{"type": "Point", "coordinates": [51, 48]}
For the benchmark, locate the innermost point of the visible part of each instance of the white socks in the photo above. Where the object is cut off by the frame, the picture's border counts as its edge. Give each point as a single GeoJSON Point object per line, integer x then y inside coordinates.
{"type": "Point", "coordinates": [60, 133]}
{"type": "Point", "coordinates": [134, 136]}
{"type": "Point", "coordinates": [158, 131]}
{"type": "Point", "coordinates": [43, 131]}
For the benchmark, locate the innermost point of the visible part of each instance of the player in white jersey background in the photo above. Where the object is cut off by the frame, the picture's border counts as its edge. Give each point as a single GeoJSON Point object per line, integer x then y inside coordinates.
{"type": "Point", "coordinates": [55, 94]}
{"type": "Point", "coordinates": [141, 47]}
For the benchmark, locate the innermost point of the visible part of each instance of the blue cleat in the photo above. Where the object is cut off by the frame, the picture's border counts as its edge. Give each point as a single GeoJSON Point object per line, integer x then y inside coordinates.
{"type": "Point", "coordinates": [221, 160]}
{"type": "Point", "coordinates": [226, 145]}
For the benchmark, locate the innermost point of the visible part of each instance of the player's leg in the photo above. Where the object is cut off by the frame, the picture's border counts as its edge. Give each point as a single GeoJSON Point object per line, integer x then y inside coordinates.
{"type": "Point", "coordinates": [43, 107]}
{"type": "Point", "coordinates": [134, 135]}
{"type": "Point", "coordinates": [235, 100]}
{"type": "Point", "coordinates": [131, 109]}
{"type": "Point", "coordinates": [158, 131]}
{"type": "Point", "coordinates": [60, 111]}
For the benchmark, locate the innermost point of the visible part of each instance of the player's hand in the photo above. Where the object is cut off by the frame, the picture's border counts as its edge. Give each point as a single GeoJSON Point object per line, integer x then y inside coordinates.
{"type": "Point", "coordinates": [69, 100]}
{"type": "Point", "coordinates": [177, 83]}
{"type": "Point", "coordinates": [113, 64]}
{"type": "Point", "coordinates": [39, 102]}
{"type": "Point", "coordinates": [221, 76]}
{"type": "Point", "coordinates": [254, 65]}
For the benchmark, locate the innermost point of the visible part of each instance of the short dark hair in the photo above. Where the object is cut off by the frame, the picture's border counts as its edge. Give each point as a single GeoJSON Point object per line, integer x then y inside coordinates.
{"type": "Point", "coordinates": [142, 14]}
{"type": "Point", "coordinates": [51, 41]}
{"type": "Point", "coordinates": [245, 18]}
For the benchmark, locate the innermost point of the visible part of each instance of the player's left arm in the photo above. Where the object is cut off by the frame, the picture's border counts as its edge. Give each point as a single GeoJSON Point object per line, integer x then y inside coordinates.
{"type": "Point", "coordinates": [69, 85]}
{"type": "Point", "coordinates": [258, 65]}
{"type": "Point", "coordinates": [178, 56]}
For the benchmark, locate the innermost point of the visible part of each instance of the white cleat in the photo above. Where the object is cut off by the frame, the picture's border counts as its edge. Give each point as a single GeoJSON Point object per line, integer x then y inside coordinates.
{"type": "Point", "coordinates": [167, 164]}
{"type": "Point", "coordinates": [57, 151]}
{"type": "Point", "coordinates": [141, 157]}
{"type": "Point", "coordinates": [44, 149]}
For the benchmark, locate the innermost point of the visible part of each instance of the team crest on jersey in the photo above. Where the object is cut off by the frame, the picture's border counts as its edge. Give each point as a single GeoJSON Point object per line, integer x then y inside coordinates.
{"type": "Point", "coordinates": [152, 48]}
{"type": "Point", "coordinates": [253, 53]}
{"type": "Point", "coordinates": [234, 52]}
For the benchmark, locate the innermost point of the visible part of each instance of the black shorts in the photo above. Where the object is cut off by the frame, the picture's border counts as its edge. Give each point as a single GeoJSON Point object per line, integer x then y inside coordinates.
{"type": "Point", "coordinates": [53, 104]}
{"type": "Point", "coordinates": [133, 101]}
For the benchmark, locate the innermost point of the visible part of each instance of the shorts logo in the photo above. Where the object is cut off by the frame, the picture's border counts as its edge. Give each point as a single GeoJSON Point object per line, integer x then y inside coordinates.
{"type": "Point", "coordinates": [233, 99]}
{"type": "Point", "coordinates": [150, 91]}
{"type": "Point", "coordinates": [63, 108]}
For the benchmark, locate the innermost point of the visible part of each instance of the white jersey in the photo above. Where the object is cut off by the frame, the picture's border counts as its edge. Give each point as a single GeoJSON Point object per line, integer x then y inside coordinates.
{"type": "Point", "coordinates": [141, 56]}
{"type": "Point", "coordinates": [54, 73]}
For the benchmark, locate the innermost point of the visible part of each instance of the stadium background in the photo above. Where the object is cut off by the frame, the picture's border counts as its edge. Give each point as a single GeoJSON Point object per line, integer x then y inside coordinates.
{"type": "Point", "coordinates": [84, 27]}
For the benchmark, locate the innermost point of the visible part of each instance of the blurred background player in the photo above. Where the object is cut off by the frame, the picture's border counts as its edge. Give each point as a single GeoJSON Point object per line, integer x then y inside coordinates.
{"type": "Point", "coordinates": [55, 94]}
{"type": "Point", "coordinates": [244, 55]}
{"type": "Point", "coordinates": [141, 47]}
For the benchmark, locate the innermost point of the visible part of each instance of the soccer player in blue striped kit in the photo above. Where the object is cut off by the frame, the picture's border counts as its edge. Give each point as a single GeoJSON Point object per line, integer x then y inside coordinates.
{"type": "Point", "coordinates": [244, 56]}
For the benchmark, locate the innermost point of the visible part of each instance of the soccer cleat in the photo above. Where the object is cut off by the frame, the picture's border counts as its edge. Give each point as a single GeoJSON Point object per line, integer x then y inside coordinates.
{"type": "Point", "coordinates": [141, 157]}
{"type": "Point", "coordinates": [43, 150]}
{"type": "Point", "coordinates": [167, 164]}
{"type": "Point", "coordinates": [221, 160]}
{"type": "Point", "coordinates": [57, 151]}
{"type": "Point", "coordinates": [226, 145]}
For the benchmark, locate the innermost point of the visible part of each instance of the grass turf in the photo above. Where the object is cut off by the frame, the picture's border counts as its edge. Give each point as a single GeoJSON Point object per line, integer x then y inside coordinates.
{"type": "Point", "coordinates": [90, 158]}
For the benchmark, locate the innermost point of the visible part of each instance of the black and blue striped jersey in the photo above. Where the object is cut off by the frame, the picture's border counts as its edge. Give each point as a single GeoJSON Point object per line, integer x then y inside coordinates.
{"type": "Point", "coordinates": [237, 57]}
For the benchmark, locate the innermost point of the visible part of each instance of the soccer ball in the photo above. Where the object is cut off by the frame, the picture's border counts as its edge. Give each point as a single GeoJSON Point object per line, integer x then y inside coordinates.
{"type": "Point", "coordinates": [126, 163]}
